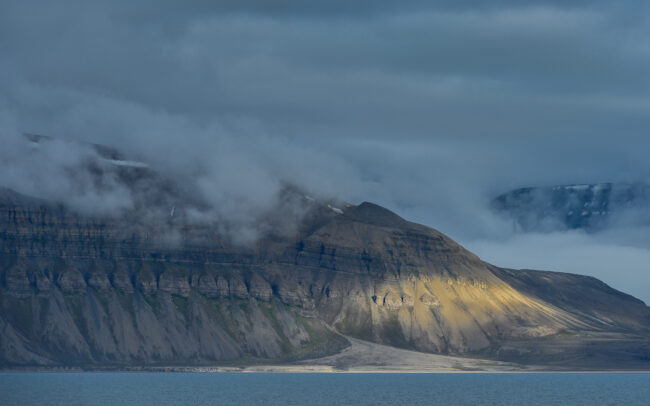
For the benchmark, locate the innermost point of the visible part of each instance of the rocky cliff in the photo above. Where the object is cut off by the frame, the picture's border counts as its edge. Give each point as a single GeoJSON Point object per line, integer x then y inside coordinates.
{"type": "Point", "coordinates": [590, 207]}
{"type": "Point", "coordinates": [90, 291]}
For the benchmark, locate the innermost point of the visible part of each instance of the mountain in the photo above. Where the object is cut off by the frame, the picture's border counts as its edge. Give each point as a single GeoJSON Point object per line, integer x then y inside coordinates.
{"type": "Point", "coordinates": [591, 207]}
{"type": "Point", "coordinates": [150, 286]}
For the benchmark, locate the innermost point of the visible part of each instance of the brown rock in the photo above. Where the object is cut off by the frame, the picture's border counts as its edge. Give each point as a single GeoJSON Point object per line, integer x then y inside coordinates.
{"type": "Point", "coordinates": [146, 282]}
{"type": "Point", "coordinates": [71, 281]}
{"type": "Point", "coordinates": [122, 281]}
{"type": "Point", "coordinates": [18, 282]}
{"type": "Point", "coordinates": [207, 285]}
{"type": "Point", "coordinates": [429, 300]}
{"type": "Point", "coordinates": [408, 300]}
{"type": "Point", "coordinates": [43, 282]}
{"type": "Point", "coordinates": [392, 300]}
{"type": "Point", "coordinates": [223, 288]}
{"type": "Point", "coordinates": [260, 288]}
{"type": "Point", "coordinates": [175, 284]}
{"type": "Point", "coordinates": [238, 287]}
{"type": "Point", "coordinates": [99, 281]}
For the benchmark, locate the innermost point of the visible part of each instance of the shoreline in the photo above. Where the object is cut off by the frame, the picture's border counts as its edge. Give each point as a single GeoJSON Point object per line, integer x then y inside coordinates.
{"type": "Point", "coordinates": [268, 369]}
{"type": "Point", "coordinates": [361, 357]}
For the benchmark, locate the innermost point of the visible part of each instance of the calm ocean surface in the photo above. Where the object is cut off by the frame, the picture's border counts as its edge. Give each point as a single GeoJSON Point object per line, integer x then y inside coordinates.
{"type": "Point", "coordinates": [322, 389]}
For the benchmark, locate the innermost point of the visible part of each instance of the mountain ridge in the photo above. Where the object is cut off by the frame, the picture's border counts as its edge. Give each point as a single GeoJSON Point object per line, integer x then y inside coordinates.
{"type": "Point", "coordinates": [591, 207]}
{"type": "Point", "coordinates": [165, 281]}
{"type": "Point", "coordinates": [80, 291]}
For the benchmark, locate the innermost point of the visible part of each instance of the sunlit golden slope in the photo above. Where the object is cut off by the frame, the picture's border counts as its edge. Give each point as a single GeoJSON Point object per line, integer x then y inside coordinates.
{"type": "Point", "coordinates": [90, 291]}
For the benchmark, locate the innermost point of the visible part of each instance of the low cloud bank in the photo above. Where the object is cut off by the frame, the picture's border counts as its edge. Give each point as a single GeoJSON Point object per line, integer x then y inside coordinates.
{"type": "Point", "coordinates": [429, 108]}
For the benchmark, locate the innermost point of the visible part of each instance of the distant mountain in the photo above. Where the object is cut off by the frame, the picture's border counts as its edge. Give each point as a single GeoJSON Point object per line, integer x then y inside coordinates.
{"type": "Point", "coordinates": [591, 207]}
{"type": "Point", "coordinates": [114, 291]}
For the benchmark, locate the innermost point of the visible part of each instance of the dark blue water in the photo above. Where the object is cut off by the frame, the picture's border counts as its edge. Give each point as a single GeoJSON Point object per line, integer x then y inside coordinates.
{"type": "Point", "coordinates": [322, 389]}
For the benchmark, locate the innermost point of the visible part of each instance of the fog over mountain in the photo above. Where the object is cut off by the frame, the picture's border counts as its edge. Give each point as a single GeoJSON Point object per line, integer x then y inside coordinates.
{"type": "Point", "coordinates": [431, 109]}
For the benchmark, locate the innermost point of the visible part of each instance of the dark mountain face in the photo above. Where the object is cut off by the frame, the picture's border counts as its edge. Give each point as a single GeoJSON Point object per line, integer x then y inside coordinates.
{"type": "Point", "coordinates": [590, 207]}
{"type": "Point", "coordinates": [158, 287]}
{"type": "Point", "coordinates": [82, 291]}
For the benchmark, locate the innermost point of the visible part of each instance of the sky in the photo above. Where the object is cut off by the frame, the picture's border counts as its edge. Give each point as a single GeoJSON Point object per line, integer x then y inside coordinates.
{"type": "Point", "coordinates": [430, 108]}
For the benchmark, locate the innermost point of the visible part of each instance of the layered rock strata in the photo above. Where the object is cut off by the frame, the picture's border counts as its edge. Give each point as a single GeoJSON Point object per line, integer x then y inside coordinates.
{"type": "Point", "coordinates": [78, 290]}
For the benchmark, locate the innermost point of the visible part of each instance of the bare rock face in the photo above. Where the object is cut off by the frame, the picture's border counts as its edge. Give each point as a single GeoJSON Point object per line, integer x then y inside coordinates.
{"type": "Point", "coordinates": [146, 281]}
{"type": "Point", "coordinates": [429, 300]}
{"type": "Point", "coordinates": [260, 288]}
{"type": "Point", "coordinates": [237, 287]}
{"type": "Point", "coordinates": [71, 281]}
{"type": "Point", "coordinates": [206, 284]}
{"type": "Point", "coordinates": [99, 281]}
{"type": "Point", "coordinates": [17, 281]}
{"type": "Point", "coordinates": [223, 288]}
{"type": "Point", "coordinates": [407, 300]}
{"type": "Point", "coordinates": [392, 300]}
{"type": "Point", "coordinates": [121, 280]}
{"type": "Point", "coordinates": [43, 283]}
{"type": "Point", "coordinates": [176, 283]}
{"type": "Point", "coordinates": [91, 292]}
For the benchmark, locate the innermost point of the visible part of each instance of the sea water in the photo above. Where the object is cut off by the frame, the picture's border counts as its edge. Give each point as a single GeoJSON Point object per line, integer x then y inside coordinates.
{"type": "Point", "coordinates": [140, 388]}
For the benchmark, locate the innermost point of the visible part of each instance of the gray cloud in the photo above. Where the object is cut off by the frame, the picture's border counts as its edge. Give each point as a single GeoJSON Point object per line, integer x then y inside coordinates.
{"type": "Point", "coordinates": [430, 108]}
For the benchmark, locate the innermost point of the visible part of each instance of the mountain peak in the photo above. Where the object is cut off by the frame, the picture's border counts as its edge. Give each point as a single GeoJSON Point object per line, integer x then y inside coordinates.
{"type": "Point", "coordinates": [93, 290]}
{"type": "Point", "coordinates": [372, 213]}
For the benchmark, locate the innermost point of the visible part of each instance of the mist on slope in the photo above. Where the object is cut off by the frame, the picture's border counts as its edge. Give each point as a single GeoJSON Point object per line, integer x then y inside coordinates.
{"type": "Point", "coordinates": [430, 109]}
{"type": "Point", "coordinates": [228, 184]}
{"type": "Point", "coordinates": [244, 191]}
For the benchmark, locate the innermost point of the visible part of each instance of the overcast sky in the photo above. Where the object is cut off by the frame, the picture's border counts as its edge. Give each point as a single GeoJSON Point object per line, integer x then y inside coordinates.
{"type": "Point", "coordinates": [429, 108]}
